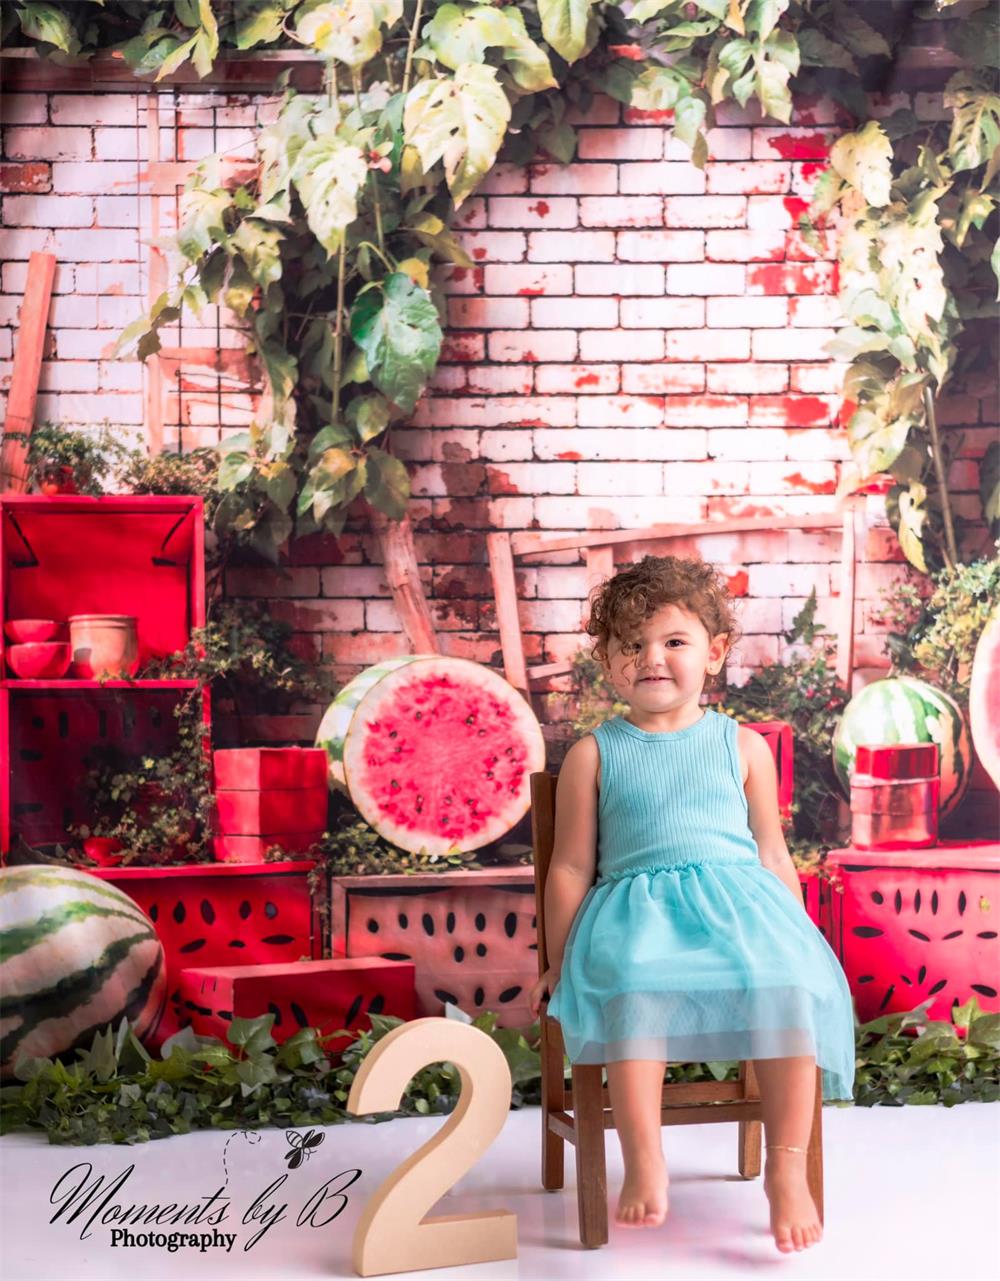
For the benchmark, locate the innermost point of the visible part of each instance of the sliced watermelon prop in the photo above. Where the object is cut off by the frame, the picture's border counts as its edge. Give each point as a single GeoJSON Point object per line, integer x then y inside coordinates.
{"type": "Point", "coordinates": [435, 752]}
{"type": "Point", "coordinates": [903, 709]}
{"type": "Point", "coordinates": [75, 955]}
{"type": "Point", "coordinates": [984, 698]}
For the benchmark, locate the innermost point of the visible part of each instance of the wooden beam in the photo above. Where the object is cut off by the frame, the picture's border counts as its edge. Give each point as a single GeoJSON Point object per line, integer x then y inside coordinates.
{"type": "Point", "coordinates": [157, 286]}
{"type": "Point", "coordinates": [508, 622]}
{"type": "Point", "coordinates": [23, 395]}
{"type": "Point", "coordinates": [530, 543]}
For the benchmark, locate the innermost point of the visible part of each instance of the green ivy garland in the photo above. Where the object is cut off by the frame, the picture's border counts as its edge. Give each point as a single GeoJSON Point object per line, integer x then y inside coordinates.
{"type": "Point", "coordinates": [324, 255]}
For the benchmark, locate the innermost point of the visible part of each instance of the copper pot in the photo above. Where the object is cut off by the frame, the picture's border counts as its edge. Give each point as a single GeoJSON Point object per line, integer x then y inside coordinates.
{"type": "Point", "coordinates": [103, 644]}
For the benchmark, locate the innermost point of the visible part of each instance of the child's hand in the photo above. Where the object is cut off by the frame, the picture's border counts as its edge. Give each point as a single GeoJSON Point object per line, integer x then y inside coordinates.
{"type": "Point", "coordinates": [546, 984]}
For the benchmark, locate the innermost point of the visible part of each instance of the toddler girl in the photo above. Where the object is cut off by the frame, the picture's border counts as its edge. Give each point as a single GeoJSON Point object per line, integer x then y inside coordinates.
{"type": "Point", "coordinates": [693, 944]}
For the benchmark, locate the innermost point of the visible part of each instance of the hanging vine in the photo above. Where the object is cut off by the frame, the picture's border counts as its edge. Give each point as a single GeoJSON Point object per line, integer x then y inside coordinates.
{"type": "Point", "coordinates": [324, 256]}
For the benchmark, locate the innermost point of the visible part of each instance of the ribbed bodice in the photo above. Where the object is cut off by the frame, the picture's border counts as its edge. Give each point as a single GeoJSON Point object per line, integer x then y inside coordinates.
{"type": "Point", "coordinates": [671, 798]}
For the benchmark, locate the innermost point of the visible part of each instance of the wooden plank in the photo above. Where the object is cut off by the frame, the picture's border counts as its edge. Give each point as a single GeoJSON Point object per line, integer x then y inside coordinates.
{"type": "Point", "coordinates": [157, 285]}
{"type": "Point", "coordinates": [250, 71]}
{"type": "Point", "coordinates": [23, 395]}
{"type": "Point", "coordinates": [600, 563]}
{"type": "Point", "coordinates": [530, 543]}
{"type": "Point", "coordinates": [848, 591]}
{"type": "Point", "coordinates": [498, 547]}
{"type": "Point", "coordinates": [166, 177]}
{"type": "Point", "coordinates": [232, 361]}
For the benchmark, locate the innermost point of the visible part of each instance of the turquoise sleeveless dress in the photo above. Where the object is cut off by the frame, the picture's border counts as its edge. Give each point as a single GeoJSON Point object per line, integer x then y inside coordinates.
{"type": "Point", "coordinates": [687, 948]}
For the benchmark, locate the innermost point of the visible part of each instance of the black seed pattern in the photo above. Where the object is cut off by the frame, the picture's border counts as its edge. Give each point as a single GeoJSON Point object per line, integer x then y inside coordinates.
{"type": "Point", "coordinates": [227, 1015]}
{"type": "Point", "coordinates": [478, 996]}
{"type": "Point", "coordinates": [179, 912]}
{"type": "Point", "coordinates": [937, 986]}
{"type": "Point", "coordinates": [953, 935]}
{"type": "Point", "coordinates": [194, 946]}
{"type": "Point", "coordinates": [916, 901]}
{"type": "Point", "coordinates": [480, 922]}
{"type": "Point", "coordinates": [273, 1009]}
{"type": "Point", "coordinates": [404, 921]}
{"type": "Point", "coordinates": [898, 901]}
{"type": "Point", "coordinates": [480, 949]}
{"type": "Point", "coordinates": [207, 912]}
{"type": "Point", "coordinates": [459, 953]}
{"type": "Point", "coordinates": [443, 996]}
{"type": "Point", "coordinates": [245, 910]}
{"type": "Point", "coordinates": [396, 956]}
{"type": "Point", "coordinates": [236, 943]}
{"type": "Point", "coordinates": [963, 903]}
{"type": "Point", "coordinates": [867, 932]}
{"type": "Point", "coordinates": [888, 996]}
{"type": "Point", "coordinates": [427, 921]}
{"type": "Point", "coordinates": [278, 940]}
{"type": "Point", "coordinates": [353, 1011]}
{"type": "Point", "coordinates": [865, 978]}
{"type": "Point", "coordinates": [509, 993]}
{"type": "Point", "coordinates": [983, 989]}
{"type": "Point", "coordinates": [510, 924]}
{"type": "Point", "coordinates": [270, 910]}
{"type": "Point", "coordinates": [372, 925]}
{"type": "Point", "coordinates": [299, 1014]}
{"type": "Point", "coordinates": [377, 1004]}
{"type": "Point", "coordinates": [154, 911]}
{"type": "Point", "coordinates": [919, 934]}
{"type": "Point", "coordinates": [449, 922]}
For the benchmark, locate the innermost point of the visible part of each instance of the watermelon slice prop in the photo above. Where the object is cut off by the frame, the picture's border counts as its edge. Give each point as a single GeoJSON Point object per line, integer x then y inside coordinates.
{"type": "Point", "coordinates": [75, 955]}
{"type": "Point", "coordinates": [436, 753]}
{"type": "Point", "coordinates": [902, 709]}
{"type": "Point", "coordinates": [984, 698]}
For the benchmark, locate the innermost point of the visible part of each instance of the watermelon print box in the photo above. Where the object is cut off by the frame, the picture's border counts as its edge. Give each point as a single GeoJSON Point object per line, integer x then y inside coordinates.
{"type": "Point", "coordinates": [471, 935]}
{"type": "Point", "coordinates": [917, 923]}
{"type": "Point", "coordinates": [254, 769]}
{"type": "Point", "coordinates": [327, 995]}
{"type": "Point", "coordinates": [221, 914]}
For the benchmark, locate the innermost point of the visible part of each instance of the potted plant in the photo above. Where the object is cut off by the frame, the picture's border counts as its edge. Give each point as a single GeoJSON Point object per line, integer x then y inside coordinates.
{"type": "Point", "coordinates": [66, 461]}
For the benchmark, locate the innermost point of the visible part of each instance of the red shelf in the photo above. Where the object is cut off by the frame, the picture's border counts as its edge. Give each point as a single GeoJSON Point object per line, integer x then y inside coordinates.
{"type": "Point", "coordinates": [142, 555]}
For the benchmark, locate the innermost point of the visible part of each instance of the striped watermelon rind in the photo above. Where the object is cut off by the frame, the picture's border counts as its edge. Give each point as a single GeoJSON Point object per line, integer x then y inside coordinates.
{"type": "Point", "coordinates": [903, 709]}
{"type": "Point", "coordinates": [454, 783]}
{"type": "Point", "coordinates": [75, 955]}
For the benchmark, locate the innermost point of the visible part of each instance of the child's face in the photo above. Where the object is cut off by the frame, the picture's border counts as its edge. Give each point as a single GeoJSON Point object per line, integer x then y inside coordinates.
{"type": "Point", "coordinates": [672, 644]}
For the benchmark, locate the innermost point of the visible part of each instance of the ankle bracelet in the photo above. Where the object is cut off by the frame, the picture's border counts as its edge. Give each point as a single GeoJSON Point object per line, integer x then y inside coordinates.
{"type": "Point", "coordinates": [785, 1147]}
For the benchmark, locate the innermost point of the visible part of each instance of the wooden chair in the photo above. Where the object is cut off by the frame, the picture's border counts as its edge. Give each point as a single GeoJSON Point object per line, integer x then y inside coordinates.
{"type": "Point", "coordinates": [580, 1114]}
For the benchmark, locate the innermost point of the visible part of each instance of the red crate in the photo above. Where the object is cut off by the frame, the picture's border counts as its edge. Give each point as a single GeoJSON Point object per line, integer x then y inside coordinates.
{"type": "Point", "coordinates": [223, 914]}
{"type": "Point", "coordinates": [778, 735]}
{"type": "Point", "coordinates": [262, 813]}
{"type": "Point", "coordinates": [917, 923]}
{"type": "Point", "coordinates": [71, 554]}
{"type": "Point", "coordinates": [327, 995]}
{"type": "Point", "coordinates": [253, 769]}
{"type": "Point", "coordinates": [251, 849]}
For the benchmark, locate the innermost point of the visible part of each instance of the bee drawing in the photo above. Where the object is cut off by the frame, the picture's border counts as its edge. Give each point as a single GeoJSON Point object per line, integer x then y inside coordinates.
{"type": "Point", "coordinates": [301, 1146]}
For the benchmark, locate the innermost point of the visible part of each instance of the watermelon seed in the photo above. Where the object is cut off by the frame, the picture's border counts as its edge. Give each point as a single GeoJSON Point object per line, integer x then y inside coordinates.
{"type": "Point", "coordinates": [393, 733]}
{"type": "Point", "coordinates": [394, 784]}
{"type": "Point", "coordinates": [273, 1009]}
{"type": "Point", "coordinates": [459, 953]}
{"type": "Point", "coordinates": [937, 986]}
{"type": "Point", "coordinates": [270, 911]}
{"type": "Point", "coordinates": [404, 921]}
{"type": "Point", "coordinates": [377, 1004]}
{"type": "Point", "coordinates": [480, 922]}
{"type": "Point", "coordinates": [489, 773]}
{"type": "Point", "coordinates": [445, 996]}
{"type": "Point", "coordinates": [481, 733]}
{"type": "Point", "coordinates": [510, 924]}
{"type": "Point", "coordinates": [470, 719]}
{"type": "Point", "coordinates": [245, 910]}
{"type": "Point", "coordinates": [179, 912]}
{"type": "Point", "coordinates": [480, 949]}
{"type": "Point", "coordinates": [479, 996]}
{"type": "Point", "coordinates": [417, 716]}
{"type": "Point", "coordinates": [300, 1014]}
{"type": "Point", "coordinates": [983, 989]}
{"type": "Point", "coordinates": [509, 993]}
{"type": "Point", "coordinates": [372, 925]}
{"type": "Point", "coordinates": [449, 922]}
{"type": "Point", "coordinates": [428, 923]}
{"type": "Point", "coordinates": [207, 911]}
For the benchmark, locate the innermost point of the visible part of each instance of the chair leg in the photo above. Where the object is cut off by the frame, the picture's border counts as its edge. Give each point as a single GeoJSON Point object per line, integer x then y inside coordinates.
{"type": "Point", "coordinates": [591, 1164]}
{"type": "Point", "coordinates": [814, 1157]}
{"type": "Point", "coordinates": [553, 1100]}
{"type": "Point", "coordinates": [750, 1132]}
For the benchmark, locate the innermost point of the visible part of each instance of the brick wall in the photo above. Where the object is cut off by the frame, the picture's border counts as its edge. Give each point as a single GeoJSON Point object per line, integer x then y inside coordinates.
{"type": "Point", "coordinates": [637, 342]}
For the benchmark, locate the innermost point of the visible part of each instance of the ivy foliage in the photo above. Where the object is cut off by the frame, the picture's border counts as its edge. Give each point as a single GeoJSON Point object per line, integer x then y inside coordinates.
{"type": "Point", "coordinates": [324, 254]}
{"type": "Point", "coordinates": [116, 1092]}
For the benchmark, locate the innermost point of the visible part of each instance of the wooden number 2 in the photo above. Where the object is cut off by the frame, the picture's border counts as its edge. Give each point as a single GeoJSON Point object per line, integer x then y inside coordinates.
{"type": "Point", "coordinates": [393, 1235]}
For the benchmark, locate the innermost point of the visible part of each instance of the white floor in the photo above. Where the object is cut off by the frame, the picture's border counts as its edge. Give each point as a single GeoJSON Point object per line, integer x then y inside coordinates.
{"type": "Point", "coordinates": [912, 1194]}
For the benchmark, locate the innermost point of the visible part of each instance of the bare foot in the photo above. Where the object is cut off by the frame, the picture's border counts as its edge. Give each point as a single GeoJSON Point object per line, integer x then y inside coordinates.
{"type": "Point", "coordinates": [794, 1217]}
{"type": "Point", "coordinates": [643, 1199]}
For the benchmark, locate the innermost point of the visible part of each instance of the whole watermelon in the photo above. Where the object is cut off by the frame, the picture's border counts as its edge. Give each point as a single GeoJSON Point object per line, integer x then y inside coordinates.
{"type": "Point", "coordinates": [75, 954]}
{"type": "Point", "coordinates": [902, 709]}
{"type": "Point", "coordinates": [435, 752]}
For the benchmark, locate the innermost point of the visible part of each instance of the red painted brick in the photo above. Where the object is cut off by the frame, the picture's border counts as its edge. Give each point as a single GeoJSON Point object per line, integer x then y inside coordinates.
{"type": "Point", "coordinates": [661, 246]}
{"type": "Point", "coordinates": [533, 345]}
{"type": "Point", "coordinates": [571, 246]}
{"type": "Point", "coordinates": [502, 379]}
{"type": "Point", "coordinates": [751, 313]}
{"type": "Point", "coordinates": [621, 344]}
{"type": "Point", "coordinates": [578, 379]}
{"type": "Point", "coordinates": [710, 477]}
{"type": "Point", "coordinates": [620, 411]}
{"type": "Point", "coordinates": [815, 312]}
{"type": "Point", "coordinates": [527, 279]}
{"type": "Point", "coordinates": [532, 478]}
{"type": "Point", "coordinates": [776, 278]}
{"type": "Point", "coordinates": [712, 344]}
{"type": "Point", "coordinates": [494, 246]}
{"type": "Point", "coordinates": [818, 379]}
{"type": "Point", "coordinates": [705, 211]}
{"type": "Point", "coordinates": [662, 313]}
{"type": "Point", "coordinates": [32, 177]}
{"type": "Point", "coordinates": [637, 443]}
{"type": "Point", "coordinates": [792, 144]}
{"type": "Point", "coordinates": [47, 142]}
{"type": "Point", "coordinates": [574, 180]}
{"type": "Point", "coordinates": [578, 313]}
{"type": "Point", "coordinates": [705, 411]}
{"type": "Point", "coordinates": [530, 211]}
{"type": "Point", "coordinates": [666, 178]}
{"type": "Point", "coordinates": [462, 347]}
{"type": "Point", "coordinates": [705, 278]}
{"type": "Point", "coordinates": [662, 379]}
{"type": "Point", "coordinates": [791, 344]}
{"type": "Point", "coordinates": [504, 180]}
{"type": "Point", "coordinates": [488, 313]}
{"type": "Point", "coordinates": [619, 280]}
{"type": "Point", "coordinates": [621, 211]}
{"type": "Point", "coordinates": [792, 410]}
{"type": "Point", "coordinates": [623, 478]}
{"type": "Point", "coordinates": [744, 246]}
{"type": "Point", "coordinates": [756, 178]}
{"type": "Point", "coordinates": [620, 144]}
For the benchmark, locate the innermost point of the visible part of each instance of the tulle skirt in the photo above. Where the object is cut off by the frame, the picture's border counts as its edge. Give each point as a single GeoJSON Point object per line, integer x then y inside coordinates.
{"type": "Point", "coordinates": [703, 962]}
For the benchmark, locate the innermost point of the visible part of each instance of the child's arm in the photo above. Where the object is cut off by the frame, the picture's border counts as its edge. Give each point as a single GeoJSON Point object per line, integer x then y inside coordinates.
{"type": "Point", "coordinates": [761, 787]}
{"type": "Point", "coordinates": [574, 854]}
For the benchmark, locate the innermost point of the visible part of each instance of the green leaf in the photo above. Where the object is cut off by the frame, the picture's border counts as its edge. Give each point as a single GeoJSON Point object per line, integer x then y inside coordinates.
{"type": "Point", "coordinates": [257, 22]}
{"type": "Point", "coordinates": [461, 121]}
{"type": "Point", "coordinates": [368, 415]}
{"type": "Point", "coordinates": [330, 174]}
{"type": "Point", "coordinates": [762, 17]}
{"type": "Point", "coordinates": [396, 326]}
{"type": "Point", "coordinates": [816, 50]}
{"type": "Point", "coordinates": [657, 89]}
{"type": "Point", "coordinates": [234, 469]}
{"type": "Point", "coordinates": [176, 57]}
{"type": "Point", "coordinates": [560, 141]}
{"type": "Point", "coordinates": [860, 38]}
{"type": "Point", "coordinates": [459, 34]}
{"type": "Point", "coordinates": [346, 30]}
{"type": "Point", "coordinates": [388, 485]}
{"type": "Point", "coordinates": [863, 160]}
{"type": "Point", "coordinates": [201, 220]}
{"type": "Point", "coordinates": [527, 62]}
{"type": "Point", "coordinates": [975, 128]}
{"type": "Point", "coordinates": [875, 443]}
{"type": "Point", "coordinates": [259, 246]}
{"type": "Point", "coordinates": [912, 516]}
{"type": "Point", "coordinates": [995, 264]}
{"type": "Point", "coordinates": [47, 23]}
{"type": "Point", "coordinates": [566, 25]}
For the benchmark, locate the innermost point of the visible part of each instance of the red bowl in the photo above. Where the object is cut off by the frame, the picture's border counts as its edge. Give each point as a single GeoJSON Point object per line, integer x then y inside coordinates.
{"type": "Point", "coordinates": [21, 630]}
{"type": "Point", "coordinates": [46, 660]}
{"type": "Point", "coordinates": [103, 850]}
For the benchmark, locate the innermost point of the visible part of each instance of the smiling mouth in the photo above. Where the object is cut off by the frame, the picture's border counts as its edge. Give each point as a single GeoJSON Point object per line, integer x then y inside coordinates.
{"type": "Point", "coordinates": [653, 680]}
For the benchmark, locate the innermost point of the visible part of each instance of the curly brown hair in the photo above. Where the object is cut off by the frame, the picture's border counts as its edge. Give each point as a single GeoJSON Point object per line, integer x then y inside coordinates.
{"type": "Point", "coordinates": [624, 601]}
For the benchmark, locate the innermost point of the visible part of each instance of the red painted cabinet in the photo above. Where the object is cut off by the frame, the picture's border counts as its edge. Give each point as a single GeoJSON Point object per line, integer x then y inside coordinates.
{"type": "Point", "coordinates": [73, 554]}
